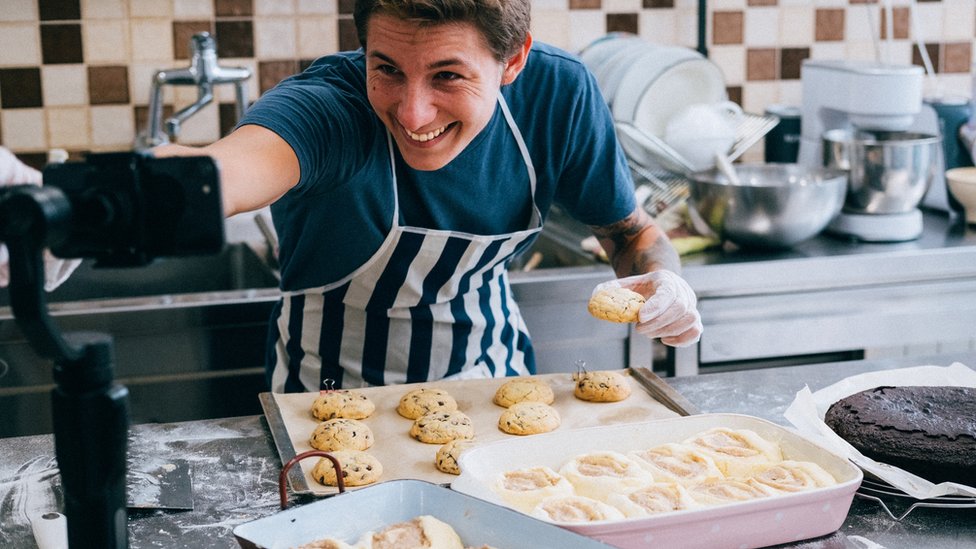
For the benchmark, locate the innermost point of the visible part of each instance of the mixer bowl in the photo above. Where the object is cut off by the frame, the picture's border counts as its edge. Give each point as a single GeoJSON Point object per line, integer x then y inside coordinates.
{"type": "Point", "coordinates": [889, 172]}
{"type": "Point", "coordinates": [775, 206]}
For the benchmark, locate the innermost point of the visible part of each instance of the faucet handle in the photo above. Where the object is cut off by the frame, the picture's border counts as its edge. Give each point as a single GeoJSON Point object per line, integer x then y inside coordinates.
{"type": "Point", "coordinates": [202, 41]}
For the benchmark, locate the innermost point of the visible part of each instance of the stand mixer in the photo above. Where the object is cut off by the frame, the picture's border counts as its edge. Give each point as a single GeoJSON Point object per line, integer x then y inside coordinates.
{"type": "Point", "coordinates": [873, 104]}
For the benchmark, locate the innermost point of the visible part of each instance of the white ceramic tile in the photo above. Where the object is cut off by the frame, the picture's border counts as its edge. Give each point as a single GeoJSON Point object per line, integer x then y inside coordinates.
{"type": "Point", "coordinates": [105, 41]}
{"type": "Point", "coordinates": [621, 6]}
{"type": "Point", "coordinates": [552, 27]}
{"type": "Point", "coordinates": [152, 40]}
{"type": "Point", "coordinates": [227, 93]}
{"type": "Point", "coordinates": [549, 5]}
{"type": "Point", "coordinates": [63, 85]}
{"type": "Point", "coordinates": [140, 81]}
{"type": "Point", "coordinates": [320, 7]}
{"type": "Point", "coordinates": [582, 28]}
{"type": "Point", "coordinates": [104, 9]}
{"type": "Point", "coordinates": [828, 50]}
{"type": "Point", "coordinates": [790, 93]}
{"type": "Point", "coordinates": [274, 38]}
{"type": "Point", "coordinates": [726, 5]}
{"type": "Point", "coordinates": [659, 26]}
{"type": "Point", "coordinates": [761, 27]}
{"type": "Point", "coordinates": [731, 60]}
{"type": "Point", "coordinates": [956, 84]}
{"type": "Point", "coordinates": [24, 129]}
{"type": "Point", "coordinates": [960, 23]}
{"type": "Point", "coordinates": [686, 4]}
{"type": "Point", "coordinates": [188, 10]}
{"type": "Point", "coordinates": [317, 36]}
{"type": "Point", "coordinates": [796, 26]}
{"type": "Point", "coordinates": [20, 44]}
{"type": "Point", "coordinates": [274, 7]}
{"type": "Point", "coordinates": [150, 8]}
{"type": "Point", "coordinates": [201, 128]}
{"type": "Point", "coordinates": [19, 10]}
{"type": "Point", "coordinates": [68, 127]}
{"type": "Point", "coordinates": [687, 29]}
{"type": "Point", "coordinates": [112, 127]}
{"type": "Point", "coordinates": [756, 95]}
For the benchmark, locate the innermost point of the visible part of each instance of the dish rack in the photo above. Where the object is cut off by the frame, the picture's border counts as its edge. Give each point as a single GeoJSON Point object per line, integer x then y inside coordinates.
{"type": "Point", "coordinates": [884, 494]}
{"type": "Point", "coordinates": [662, 182]}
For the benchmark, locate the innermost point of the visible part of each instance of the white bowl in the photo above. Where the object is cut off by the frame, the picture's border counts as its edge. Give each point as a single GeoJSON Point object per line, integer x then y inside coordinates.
{"type": "Point", "coordinates": [962, 185]}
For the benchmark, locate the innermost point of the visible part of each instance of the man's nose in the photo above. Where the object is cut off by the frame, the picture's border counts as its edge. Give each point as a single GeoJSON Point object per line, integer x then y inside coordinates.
{"type": "Point", "coordinates": [416, 108]}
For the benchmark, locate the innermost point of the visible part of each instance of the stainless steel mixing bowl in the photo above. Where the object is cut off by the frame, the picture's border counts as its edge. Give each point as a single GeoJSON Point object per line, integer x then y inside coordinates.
{"type": "Point", "coordinates": [775, 206]}
{"type": "Point", "coordinates": [889, 172]}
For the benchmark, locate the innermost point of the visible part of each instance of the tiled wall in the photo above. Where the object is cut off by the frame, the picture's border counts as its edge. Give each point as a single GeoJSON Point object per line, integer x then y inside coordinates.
{"type": "Point", "coordinates": [75, 74]}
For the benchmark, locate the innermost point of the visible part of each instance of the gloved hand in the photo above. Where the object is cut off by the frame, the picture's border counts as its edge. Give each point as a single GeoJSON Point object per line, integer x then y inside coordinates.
{"type": "Point", "coordinates": [670, 312]}
{"type": "Point", "coordinates": [56, 271]}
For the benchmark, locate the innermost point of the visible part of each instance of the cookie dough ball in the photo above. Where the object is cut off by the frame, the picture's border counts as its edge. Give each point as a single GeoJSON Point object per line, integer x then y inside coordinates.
{"type": "Point", "coordinates": [529, 418]}
{"type": "Point", "coordinates": [616, 305]}
{"type": "Point", "coordinates": [358, 469]}
{"type": "Point", "coordinates": [424, 400]}
{"type": "Point", "coordinates": [447, 456]}
{"type": "Point", "coordinates": [341, 434]}
{"type": "Point", "coordinates": [442, 427]}
{"type": "Point", "coordinates": [602, 386]}
{"type": "Point", "coordinates": [346, 404]}
{"type": "Point", "coordinates": [523, 389]}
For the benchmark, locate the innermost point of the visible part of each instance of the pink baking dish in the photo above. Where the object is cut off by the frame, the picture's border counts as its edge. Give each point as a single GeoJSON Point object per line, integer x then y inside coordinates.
{"type": "Point", "coordinates": [756, 523]}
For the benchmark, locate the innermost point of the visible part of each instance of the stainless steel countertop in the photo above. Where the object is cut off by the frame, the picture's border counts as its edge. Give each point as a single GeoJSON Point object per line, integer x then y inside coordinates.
{"type": "Point", "coordinates": [235, 468]}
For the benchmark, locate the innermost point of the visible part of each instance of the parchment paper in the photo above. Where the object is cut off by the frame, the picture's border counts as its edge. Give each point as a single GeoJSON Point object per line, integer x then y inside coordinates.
{"type": "Point", "coordinates": [404, 457]}
{"type": "Point", "coordinates": [807, 412]}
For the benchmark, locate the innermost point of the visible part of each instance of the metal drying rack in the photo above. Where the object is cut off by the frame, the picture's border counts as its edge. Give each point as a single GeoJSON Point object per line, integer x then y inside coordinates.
{"type": "Point", "coordinates": [878, 491]}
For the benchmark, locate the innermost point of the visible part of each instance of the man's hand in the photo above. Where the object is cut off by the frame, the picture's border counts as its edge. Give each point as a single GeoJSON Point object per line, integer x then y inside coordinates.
{"type": "Point", "coordinates": [670, 312]}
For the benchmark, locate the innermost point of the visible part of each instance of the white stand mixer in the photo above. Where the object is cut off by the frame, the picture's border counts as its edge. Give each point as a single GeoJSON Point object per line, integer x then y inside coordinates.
{"type": "Point", "coordinates": [860, 95]}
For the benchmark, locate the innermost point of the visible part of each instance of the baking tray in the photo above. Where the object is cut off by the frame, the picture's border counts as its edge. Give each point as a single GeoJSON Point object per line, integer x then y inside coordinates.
{"type": "Point", "coordinates": [403, 457]}
{"type": "Point", "coordinates": [757, 523]}
{"type": "Point", "coordinates": [350, 514]}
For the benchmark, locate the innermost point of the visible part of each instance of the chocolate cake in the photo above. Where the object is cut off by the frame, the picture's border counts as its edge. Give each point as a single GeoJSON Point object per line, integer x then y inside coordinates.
{"type": "Point", "coordinates": [928, 431]}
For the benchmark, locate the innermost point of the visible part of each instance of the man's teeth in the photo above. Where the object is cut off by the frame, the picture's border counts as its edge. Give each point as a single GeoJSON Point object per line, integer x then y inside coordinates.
{"type": "Point", "coordinates": [423, 137]}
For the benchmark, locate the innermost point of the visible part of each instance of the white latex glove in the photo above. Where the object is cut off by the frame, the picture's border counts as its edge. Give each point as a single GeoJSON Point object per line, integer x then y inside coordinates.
{"type": "Point", "coordinates": [670, 312]}
{"type": "Point", "coordinates": [56, 271]}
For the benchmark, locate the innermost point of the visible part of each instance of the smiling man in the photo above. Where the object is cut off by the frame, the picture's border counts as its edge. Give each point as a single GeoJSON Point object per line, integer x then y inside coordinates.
{"type": "Point", "coordinates": [404, 176]}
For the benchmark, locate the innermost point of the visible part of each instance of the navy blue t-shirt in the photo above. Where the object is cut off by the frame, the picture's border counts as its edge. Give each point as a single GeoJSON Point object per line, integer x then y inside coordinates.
{"type": "Point", "coordinates": [342, 208]}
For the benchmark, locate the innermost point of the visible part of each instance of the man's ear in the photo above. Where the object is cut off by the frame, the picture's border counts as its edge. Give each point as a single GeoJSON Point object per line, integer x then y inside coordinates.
{"type": "Point", "coordinates": [516, 62]}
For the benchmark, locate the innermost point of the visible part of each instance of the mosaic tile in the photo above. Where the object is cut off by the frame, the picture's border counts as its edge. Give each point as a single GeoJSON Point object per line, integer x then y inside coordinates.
{"type": "Point", "coordinates": [760, 64]}
{"type": "Point", "coordinates": [234, 38]}
{"type": "Point", "coordinates": [829, 25]}
{"type": "Point", "coordinates": [108, 85]}
{"type": "Point", "coordinates": [348, 39]}
{"type": "Point", "coordinates": [63, 85]}
{"type": "Point", "coordinates": [59, 10]}
{"type": "Point", "coordinates": [233, 8]}
{"type": "Point", "coordinates": [790, 60]}
{"type": "Point", "coordinates": [61, 43]}
{"type": "Point", "coordinates": [272, 72]}
{"type": "Point", "coordinates": [622, 22]}
{"type": "Point", "coordinates": [957, 57]}
{"type": "Point", "coordinates": [727, 27]}
{"type": "Point", "coordinates": [183, 32]}
{"type": "Point", "coordinates": [20, 88]}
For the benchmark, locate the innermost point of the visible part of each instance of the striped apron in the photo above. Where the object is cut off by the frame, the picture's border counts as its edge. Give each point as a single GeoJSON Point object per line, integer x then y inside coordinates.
{"type": "Point", "coordinates": [429, 304]}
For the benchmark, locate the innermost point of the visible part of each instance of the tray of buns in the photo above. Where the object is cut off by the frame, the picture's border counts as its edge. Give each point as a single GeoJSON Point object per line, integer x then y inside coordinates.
{"type": "Point", "coordinates": [708, 480]}
{"type": "Point", "coordinates": [401, 455]}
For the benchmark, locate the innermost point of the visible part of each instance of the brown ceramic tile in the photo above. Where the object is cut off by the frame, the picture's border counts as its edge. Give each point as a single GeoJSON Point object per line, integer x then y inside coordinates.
{"type": "Point", "coordinates": [346, 6]}
{"type": "Point", "coordinates": [790, 60]}
{"type": "Point", "coordinates": [59, 10]}
{"type": "Point", "coordinates": [272, 72]}
{"type": "Point", "coordinates": [901, 21]}
{"type": "Point", "coordinates": [652, 4]}
{"type": "Point", "coordinates": [61, 43]}
{"type": "Point", "coordinates": [760, 64]}
{"type": "Point", "coordinates": [20, 88]}
{"type": "Point", "coordinates": [585, 4]}
{"type": "Point", "coordinates": [234, 38]}
{"type": "Point", "coordinates": [141, 114]}
{"type": "Point", "coordinates": [233, 8]}
{"type": "Point", "coordinates": [762, 3]}
{"type": "Point", "coordinates": [348, 39]}
{"type": "Point", "coordinates": [228, 117]}
{"type": "Point", "coordinates": [956, 57]}
{"type": "Point", "coordinates": [933, 51]}
{"type": "Point", "coordinates": [622, 22]}
{"type": "Point", "coordinates": [829, 26]}
{"type": "Point", "coordinates": [304, 64]}
{"type": "Point", "coordinates": [183, 31]}
{"type": "Point", "coordinates": [734, 93]}
{"type": "Point", "coordinates": [864, 1]}
{"type": "Point", "coordinates": [727, 27]}
{"type": "Point", "coordinates": [108, 85]}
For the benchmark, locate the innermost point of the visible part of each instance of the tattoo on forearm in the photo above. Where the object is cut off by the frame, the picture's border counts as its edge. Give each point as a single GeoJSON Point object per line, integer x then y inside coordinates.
{"type": "Point", "coordinates": [637, 246]}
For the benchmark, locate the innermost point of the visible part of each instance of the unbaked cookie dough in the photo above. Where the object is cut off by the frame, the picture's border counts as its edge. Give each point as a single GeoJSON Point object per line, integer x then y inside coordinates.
{"type": "Point", "coordinates": [358, 468]}
{"type": "Point", "coordinates": [424, 400]}
{"type": "Point", "coordinates": [601, 386]}
{"type": "Point", "coordinates": [616, 305]}
{"type": "Point", "coordinates": [523, 389]}
{"type": "Point", "coordinates": [341, 434]}
{"type": "Point", "coordinates": [529, 418]}
{"type": "Point", "coordinates": [342, 403]}
{"type": "Point", "coordinates": [447, 456]}
{"type": "Point", "coordinates": [442, 427]}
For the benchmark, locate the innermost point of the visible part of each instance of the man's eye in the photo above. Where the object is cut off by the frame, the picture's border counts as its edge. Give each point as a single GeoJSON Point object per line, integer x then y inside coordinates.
{"type": "Point", "coordinates": [388, 70]}
{"type": "Point", "coordinates": [447, 76]}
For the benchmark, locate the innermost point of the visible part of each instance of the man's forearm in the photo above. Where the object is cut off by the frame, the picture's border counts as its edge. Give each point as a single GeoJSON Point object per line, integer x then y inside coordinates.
{"type": "Point", "coordinates": [636, 245]}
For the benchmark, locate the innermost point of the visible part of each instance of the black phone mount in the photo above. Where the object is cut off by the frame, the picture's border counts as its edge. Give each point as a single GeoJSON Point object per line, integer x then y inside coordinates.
{"type": "Point", "coordinates": [99, 209]}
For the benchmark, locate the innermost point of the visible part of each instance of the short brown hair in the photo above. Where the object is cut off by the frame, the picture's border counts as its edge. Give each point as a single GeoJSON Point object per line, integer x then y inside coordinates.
{"type": "Point", "coordinates": [503, 23]}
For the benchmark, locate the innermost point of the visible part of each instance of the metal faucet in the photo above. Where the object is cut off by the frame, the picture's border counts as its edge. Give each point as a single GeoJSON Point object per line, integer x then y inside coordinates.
{"type": "Point", "coordinates": [204, 73]}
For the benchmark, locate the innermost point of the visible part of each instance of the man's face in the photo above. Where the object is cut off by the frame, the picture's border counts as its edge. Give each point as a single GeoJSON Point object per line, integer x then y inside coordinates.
{"type": "Point", "coordinates": [434, 87]}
